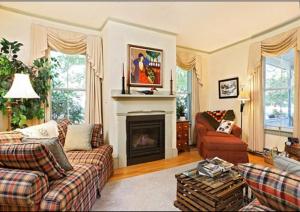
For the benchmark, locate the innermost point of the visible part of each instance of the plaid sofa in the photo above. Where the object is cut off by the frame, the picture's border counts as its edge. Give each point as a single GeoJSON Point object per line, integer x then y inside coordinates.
{"type": "Point", "coordinates": [24, 190]}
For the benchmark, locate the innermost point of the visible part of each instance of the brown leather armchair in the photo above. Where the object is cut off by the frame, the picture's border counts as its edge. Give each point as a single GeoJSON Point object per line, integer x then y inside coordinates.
{"type": "Point", "coordinates": [211, 144]}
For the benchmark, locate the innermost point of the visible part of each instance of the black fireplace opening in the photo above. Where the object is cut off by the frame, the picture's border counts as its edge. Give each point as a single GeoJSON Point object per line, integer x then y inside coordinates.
{"type": "Point", "coordinates": [145, 138]}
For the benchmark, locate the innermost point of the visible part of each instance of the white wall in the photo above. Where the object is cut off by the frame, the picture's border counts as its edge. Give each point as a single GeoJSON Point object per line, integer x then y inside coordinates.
{"type": "Point", "coordinates": [233, 62]}
{"type": "Point", "coordinates": [17, 27]}
{"type": "Point", "coordinates": [116, 37]}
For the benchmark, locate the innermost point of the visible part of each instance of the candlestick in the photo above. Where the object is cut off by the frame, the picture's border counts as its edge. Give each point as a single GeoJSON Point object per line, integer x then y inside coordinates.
{"type": "Point", "coordinates": [123, 82]}
{"type": "Point", "coordinates": [171, 84]}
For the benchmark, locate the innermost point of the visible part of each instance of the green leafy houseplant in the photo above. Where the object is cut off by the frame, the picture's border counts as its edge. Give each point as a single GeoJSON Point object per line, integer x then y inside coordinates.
{"type": "Point", "coordinates": [180, 108]}
{"type": "Point", "coordinates": [40, 76]}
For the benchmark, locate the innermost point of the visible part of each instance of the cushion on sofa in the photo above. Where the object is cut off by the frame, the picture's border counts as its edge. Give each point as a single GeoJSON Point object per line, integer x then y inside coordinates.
{"type": "Point", "coordinates": [220, 143]}
{"type": "Point", "coordinates": [97, 136]}
{"type": "Point", "coordinates": [45, 130]}
{"type": "Point", "coordinates": [21, 189]}
{"type": "Point", "coordinates": [225, 126]}
{"type": "Point", "coordinates": [31, 156]}
{"type": "Point", "coordinates": [55, 148]}
{"type": "Point", "coordinates": [10, 137]}
{"type": "Point", "coordinates": [62, 127]}
{"type": "Point", "coordinates": [273, 188]}
{"type": "Point", "coordinates": [79, 137]}
{"type": "Point", "coordinates": [75, 192]}
{"type": "Point", "coordinates": [289, 165]}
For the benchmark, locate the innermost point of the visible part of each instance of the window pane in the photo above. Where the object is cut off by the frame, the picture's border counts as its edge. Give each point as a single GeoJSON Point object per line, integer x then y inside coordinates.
{"type": "Point", "coordinates": [279, 90]}
{"type": "Point", "coordinates": [181, 80]}
{"type": "Point", "coordinates": [76, 106]}
{"type": "Point", "coordinates": [76, 77]}
{"type": "Point", "coordinates": [59, 106]}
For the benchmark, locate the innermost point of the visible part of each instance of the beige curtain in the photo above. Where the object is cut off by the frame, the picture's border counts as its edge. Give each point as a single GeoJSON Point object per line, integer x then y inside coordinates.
{"type": "Point", "coordinates": [45, 38]}
{"type": "Point", "coordinates": [270, 47]}
{"type": "Point", "coordinates": [93, 79]}
{"type": "Point", "coordinates": [192, 62]}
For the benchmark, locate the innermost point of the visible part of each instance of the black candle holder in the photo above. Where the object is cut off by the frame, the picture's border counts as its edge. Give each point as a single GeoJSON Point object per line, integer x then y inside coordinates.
{"type": "Point", "coordinates": [123, 85]}
{"type": "Point", "coordinates": [171, 87]}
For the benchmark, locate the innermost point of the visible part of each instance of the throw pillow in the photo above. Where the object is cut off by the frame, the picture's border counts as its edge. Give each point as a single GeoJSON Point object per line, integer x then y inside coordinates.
{"type": "Point", "coordinates": [55, 148]}
{"type": "Point", "coordinates": [97, 136]}
{"type": "Point", "coordinates": [225, 126]}
{"type": "Point", "coordinates": [62, 130]}
{"type": "Point", "coordinates": [31, 156]}
{"type": "Point", "coordinates": [79, 137]}
{"type": "Point", "coordinates": [273, 188]}
{"type": "Point", "coordinates": [289, 165]}
{"type": "Point", "coordinates": [46, 130]}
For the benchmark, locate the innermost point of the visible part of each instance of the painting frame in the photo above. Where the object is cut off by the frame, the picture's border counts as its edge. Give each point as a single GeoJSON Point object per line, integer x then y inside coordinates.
{"type": "Point", "coordinates": [154, 66]}
{"type": "Point", "coordinates": [230, 82]}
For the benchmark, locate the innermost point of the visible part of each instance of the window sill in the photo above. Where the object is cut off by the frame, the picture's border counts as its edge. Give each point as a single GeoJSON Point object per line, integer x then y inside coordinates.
{"type": "Point", "coordinates": [283, 132]}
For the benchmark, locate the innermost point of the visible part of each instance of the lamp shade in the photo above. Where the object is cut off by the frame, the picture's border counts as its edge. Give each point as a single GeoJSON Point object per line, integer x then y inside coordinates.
{"type": "Point", "coordinates": [244, 96]}
{"type": "Point", "coordinates": [21, 88]}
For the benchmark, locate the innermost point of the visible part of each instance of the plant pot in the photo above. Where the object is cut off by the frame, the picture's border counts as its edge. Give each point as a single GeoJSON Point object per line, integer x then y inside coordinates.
{"type": "Point", "coordinates": [182, 118]}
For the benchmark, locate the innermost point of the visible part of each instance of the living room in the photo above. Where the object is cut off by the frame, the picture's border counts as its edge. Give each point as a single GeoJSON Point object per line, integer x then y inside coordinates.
{"type": "Point", "coordinates": [130, 100]}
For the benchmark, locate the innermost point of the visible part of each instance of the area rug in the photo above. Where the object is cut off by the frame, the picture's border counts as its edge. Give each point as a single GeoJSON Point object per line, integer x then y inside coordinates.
{"type": "Point", "coordinates": [155, 191]}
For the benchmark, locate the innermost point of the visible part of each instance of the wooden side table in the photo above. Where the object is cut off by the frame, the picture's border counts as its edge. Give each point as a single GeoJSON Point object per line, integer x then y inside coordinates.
{"type": "Point", "coordinates": [183, 129]}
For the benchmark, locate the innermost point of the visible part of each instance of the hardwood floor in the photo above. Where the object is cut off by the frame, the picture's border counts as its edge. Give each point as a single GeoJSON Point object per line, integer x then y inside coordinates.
{"type": "Point", "coordinates": [183, 158]}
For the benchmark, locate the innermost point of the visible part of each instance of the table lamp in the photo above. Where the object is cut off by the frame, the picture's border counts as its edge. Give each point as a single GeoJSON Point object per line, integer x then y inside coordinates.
{"type": "Point", "coordinates": [21, 89]}
{"type": "Point", "coordinates": [243, 97]}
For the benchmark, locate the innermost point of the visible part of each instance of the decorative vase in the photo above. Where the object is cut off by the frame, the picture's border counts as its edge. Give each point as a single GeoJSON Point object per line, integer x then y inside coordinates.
{"type": "Point", "coordinates": [182, 118]}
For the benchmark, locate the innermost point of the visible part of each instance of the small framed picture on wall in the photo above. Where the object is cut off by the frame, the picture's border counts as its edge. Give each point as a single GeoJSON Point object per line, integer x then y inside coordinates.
{"type": "Point", "coordinates": [229, 88]}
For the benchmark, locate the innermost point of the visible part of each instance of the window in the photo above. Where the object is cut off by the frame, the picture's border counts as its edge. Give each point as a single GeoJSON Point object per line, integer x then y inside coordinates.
{"type": "Point", "coordinates": [184, 91]}
{"type": "Point", "coordinates": [279, 92]}
{"type": "Point", "coordinates": [69, 91]}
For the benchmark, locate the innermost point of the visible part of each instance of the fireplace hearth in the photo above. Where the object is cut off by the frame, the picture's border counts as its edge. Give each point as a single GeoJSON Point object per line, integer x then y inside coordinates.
{"type": "Point", "coordinates": [145, 138]}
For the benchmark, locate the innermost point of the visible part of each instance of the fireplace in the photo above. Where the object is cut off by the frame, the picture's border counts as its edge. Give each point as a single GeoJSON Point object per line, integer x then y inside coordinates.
{"type": "Point", "coordinates": [145, 138]}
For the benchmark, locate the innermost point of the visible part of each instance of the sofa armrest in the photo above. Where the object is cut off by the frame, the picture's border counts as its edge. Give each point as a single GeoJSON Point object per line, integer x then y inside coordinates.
{"type": "Point", "coordinates": [236, 131]}
{"type": "Point", "coordinates": [22, 188]}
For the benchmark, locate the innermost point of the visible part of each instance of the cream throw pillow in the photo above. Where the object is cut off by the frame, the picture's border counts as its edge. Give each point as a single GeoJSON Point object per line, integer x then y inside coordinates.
{"type": "Point", "coordinates": [78, 137]}
{"type": "Point", "coordinates": [46, 130]}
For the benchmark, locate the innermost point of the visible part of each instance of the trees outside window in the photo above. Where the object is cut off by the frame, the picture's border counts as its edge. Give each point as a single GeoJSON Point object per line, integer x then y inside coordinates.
{"type": "Point", "coordinates": [69, 87]}
{"type": "Point", "coordinates": [279, 92]}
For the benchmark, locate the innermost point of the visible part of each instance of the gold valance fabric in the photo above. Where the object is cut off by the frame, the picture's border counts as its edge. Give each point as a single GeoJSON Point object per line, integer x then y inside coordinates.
{"type": "Point", "coordinates": [190, 61]}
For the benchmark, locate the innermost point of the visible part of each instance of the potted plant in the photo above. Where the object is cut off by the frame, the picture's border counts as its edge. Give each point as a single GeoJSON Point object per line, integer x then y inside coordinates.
{"type": "Point", "coordinates": [180, 108]}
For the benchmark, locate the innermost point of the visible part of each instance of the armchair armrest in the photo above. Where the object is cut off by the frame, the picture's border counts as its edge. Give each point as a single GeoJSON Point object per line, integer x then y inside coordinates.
{"type": "Point", "coordinates": [236, 131]}
{"type": "Point", "coordinates": [27, 194]}
{"type": "Point", "coordinates": [201, 129]}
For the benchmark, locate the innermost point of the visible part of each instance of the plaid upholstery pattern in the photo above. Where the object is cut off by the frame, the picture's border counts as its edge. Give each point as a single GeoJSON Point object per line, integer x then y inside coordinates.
{"type": "Point", "coordinates": [272, 187]}
{"type": "Point", "coordinates": [10, 137]}
{"type": "Point", "coordinates": [255, 206]}
{"type": "Point", "coordinates": [62, 130]}
{"type": "Point", "coordinates": [101, 157]}
{"type": "Point", "coordinates": [21, 190]}
{"type": "Point", "coordinates": [97, 136]}
{"type": "Point", "coordinates": [75, 192]}
{"type": "Point", "coordinates": [31, 156]}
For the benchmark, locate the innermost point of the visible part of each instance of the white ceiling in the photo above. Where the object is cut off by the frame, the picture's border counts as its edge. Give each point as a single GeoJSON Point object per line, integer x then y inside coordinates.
{"type": "Point", "coordinates": [200, 25]}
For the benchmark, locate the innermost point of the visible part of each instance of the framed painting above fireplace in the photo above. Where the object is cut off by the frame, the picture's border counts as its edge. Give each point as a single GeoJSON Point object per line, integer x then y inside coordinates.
{"type": "Point", "coordinates": [145, 66]}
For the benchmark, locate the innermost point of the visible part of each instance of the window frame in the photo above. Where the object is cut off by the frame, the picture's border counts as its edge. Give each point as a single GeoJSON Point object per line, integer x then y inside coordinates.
{"type": "Point", "coordinates": [289, 88]}
{"type": "Point", "coordinates": [70, 89]}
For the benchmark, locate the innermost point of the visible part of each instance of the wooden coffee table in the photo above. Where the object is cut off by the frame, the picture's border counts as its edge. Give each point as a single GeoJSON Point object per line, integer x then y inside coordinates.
{"type": "Point", "coordinates": [225, 192]}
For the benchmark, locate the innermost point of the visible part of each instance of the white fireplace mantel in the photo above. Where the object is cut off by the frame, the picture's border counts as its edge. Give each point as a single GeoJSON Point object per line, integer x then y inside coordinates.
{"type": "Point", "coordinates": [138, 104]}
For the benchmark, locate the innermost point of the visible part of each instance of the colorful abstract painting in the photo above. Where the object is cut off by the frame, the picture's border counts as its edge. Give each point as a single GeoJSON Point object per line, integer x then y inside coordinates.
{"type": "Point", "coordinates": [145, 67]}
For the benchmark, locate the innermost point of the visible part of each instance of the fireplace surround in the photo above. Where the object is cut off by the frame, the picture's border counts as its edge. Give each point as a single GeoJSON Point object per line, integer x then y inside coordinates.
{"type": "Point", "coordinates": [145, 138]}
